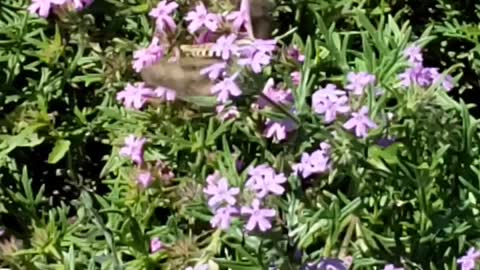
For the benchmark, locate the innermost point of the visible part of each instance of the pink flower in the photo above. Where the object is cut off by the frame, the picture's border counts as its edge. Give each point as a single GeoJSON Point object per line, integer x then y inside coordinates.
{"type": "Point", "coordinates": [145, 179]}
{"type": "Point", "coordinates": [42, 7]}
{"type": "Point", "coordinates": [225, 46]}
{"type": "Point", "coordinates": [296, 78]}
{"type": "Point", "coordinates": [360, 122]}
{"type": "Point", "coordinates": [357, 82]}
{"type": "Point", "coordinates": [227, 113]}
{"type": "Point", "coordinates": [295, 53]}
{"type": "Point", "coordinates": [241, 18]}
{"type": "Point", "coordinates": [257, 55]}
{"type": "Point", "coordinates": [148, 56]}
{"type": "Point", "coordinates": [223, 217]}
{"type": "Point", "coordinates": [275, 95]}
{"type": "Point", "coordinates": [414, 55]}
{"type": "Point", "coordinates": [165, 94]}
{"type": "Point", "coordinates": [259, 217]}
{"type": "Point", "coordinates": [330, 101]}
{"type": "Point", "coordinates": [314, 163]}
{"type": "Point", "coordinates": [163, 18]}
{"type": "Point", "coordinates": [214, 71]}
{"type": "Point", "coordinates": [468, 261]}
{"type": "Point", "coordinates": [134, 96]}
{"type": "Point", "coordinates": [133, 148]}
{"type": "Point", "coordinates": [263, 180]}
{"type": "Point", "coordinates": [200, 17]}
{"type": "Point", "coordinates": [277, 130]}
{"type": "Point", "coordinates": [226, 88]}
{"type": "Point", "coordinates": [156, 245]}
{"type": "Point", "coordinates": [220, 193]}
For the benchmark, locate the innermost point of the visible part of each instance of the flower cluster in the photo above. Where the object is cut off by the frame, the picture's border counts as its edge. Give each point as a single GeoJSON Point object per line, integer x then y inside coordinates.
{"type": "Point", "coordinates": [422, 76]}
{"type": "Point", "coordinates": [222, 199]}
{"type": "Point", "coordinates": [317, 162]}
{"type": "Point", "coordinates": [137, 95]}
{"type": "Point", "coordinates": [43, 7]}
{"type": "Point", "coordinates": [275, 95]}
{"type": "Point", "coordinates": [134, 149]}
{"type": "Point", "coordinates": [331, 102]}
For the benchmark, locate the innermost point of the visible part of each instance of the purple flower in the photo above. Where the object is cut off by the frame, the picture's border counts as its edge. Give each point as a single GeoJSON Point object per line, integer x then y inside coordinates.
{"type": "Point", "coordinates": [223, 217]}
{"type": "Point", "coordinates": [277, 130]}
{"type": "Point", "coordinates": [241, 18]}
{"type": "Point", "coordinates": [330, 101]}
{"type": "Point", "coordinates": [263, 180]}
{"type": "Point", "coordinates": [255, 60]}
{"type": "Point", "coordinates": [226, 88]}
{"type": "Point", "coordinates": [314, 163]}
{"type": "Point", "coordinates": [259, 217]}
{"type": "Point", "coordinates": [227, 113]}
{"type": "Point", "coordinates": [42, 7]}
{"type": "Point", "coordinates": [133, 148]}
{"type": "Point", "coordinates": [275, 95]}
{"type": "Point", "coordinates": [257, 55]}
{"type": "Point", "coordinates": [360, 122]}
{"type": "Point", "coordinates": [295, 54]}
{"type": "Point", "coordinates": [392, 267]}
{"type": "Point", "coordinates": [296, 78]}
{"type": "Point", "coordinates": [200, 17]}
{"type": "Point", "coordinates": [134, 96]}
{"type": "Point", "coordinates": [225, 46]}
{"type": "Point", "coordinates": [162, 14]}
{"type": "Point", "coordinates": [80, 4]}
{"type": "Point", "coordinates": [418, 75]}
{"type": "Point", "coordinates": [468, 261]}
{"type": "Point", "coordinates": [145, 179]}
{"type": "Point", "coordinates": [155, 245]}
{"type": "Point", "coordinates": [414, 55]}
{"type": "Point", "coordinates": [220, 192]}
{"type": "Point", "coordinates": [214, 71]}
{"type": "Point", "coordinates": [332, 264]}
{"type": "Point", "coordinates": [148, 56]}
{"type": "Point", "coordinates": [165, 94]}
{"type": "Point", "coordinates": [358, 81]}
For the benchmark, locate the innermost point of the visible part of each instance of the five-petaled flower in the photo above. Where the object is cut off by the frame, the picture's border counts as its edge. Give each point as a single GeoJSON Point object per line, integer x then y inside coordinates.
{"type": "Point", "coordinates": [214, 71]}
{"type": "Point", "coordinates": [258, 217]}
{"type": "Point", "coordinates": [133, 148]}
{"type": "Point", "coordinates": [414, 55]}
{"type": "Point", "coordinates": [42, 7]}
{"type": "Point", "coordinates": [226, 88]}
{"type": "Point", "coordinates": [223, 217]}
{"type": "Point", "coordinates": [316, 162]}
{"type": "Point", "coordinates": [264, 180]}
{"type": "Point", "coordinates": [330, 101]}
{"type": "Point", "coordinates": [148, 56]}
{"type": "Point", "coordinates": [357, 82]}
{"type": "Point", "coordinates": [225, 46]}
{"type": "Point", "coordinates": [361, 122]}
{"type": "Point", "coordinates": [163, 16]}
{"type": "Point", "coordinates": [134, 96]}
{"type": "Point", "coordinates": [221, 193]}
{"type": "Point", "coordinates": [201, 17]}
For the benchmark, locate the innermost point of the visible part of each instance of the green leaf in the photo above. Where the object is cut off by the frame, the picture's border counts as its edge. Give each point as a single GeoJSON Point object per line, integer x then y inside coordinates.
{"type": "Point", "coordinates": [59, 150]}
